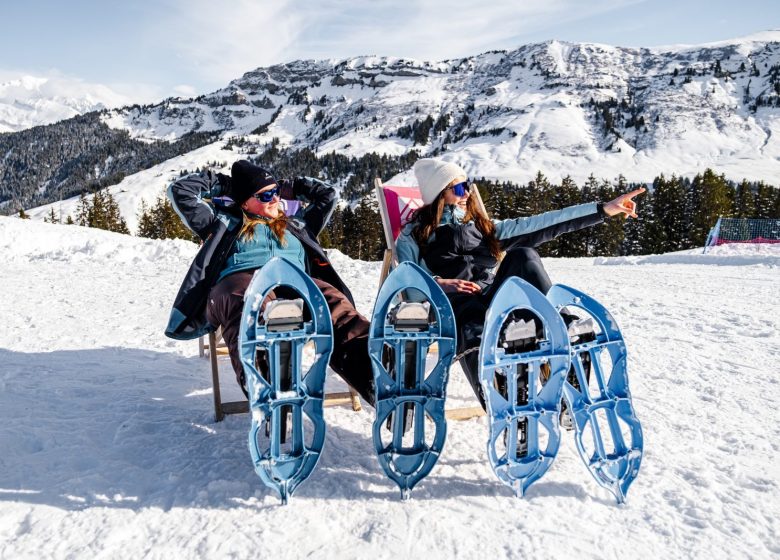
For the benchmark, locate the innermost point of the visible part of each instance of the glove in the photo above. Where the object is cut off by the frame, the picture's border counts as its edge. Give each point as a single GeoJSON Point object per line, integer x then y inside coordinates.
{"type": "Point", "coordinates": [225, 182]}
{"type": "Point", "coordinates": [286, 190]}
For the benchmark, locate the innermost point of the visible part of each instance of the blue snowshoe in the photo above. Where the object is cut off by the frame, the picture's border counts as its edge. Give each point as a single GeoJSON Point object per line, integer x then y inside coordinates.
{"type": "Point", "coordinates": [607, 432]}
{"type": "Point", "coordinates": [401, 336]}
{"type": "Point", "coordinates": [524, 356]}
{"type": "Point", "coordinates": [285, 385]}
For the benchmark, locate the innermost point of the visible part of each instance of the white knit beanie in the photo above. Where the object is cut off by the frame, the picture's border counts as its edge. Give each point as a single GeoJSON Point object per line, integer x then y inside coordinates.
{"type": "Point", "coordinates": [434, 175]}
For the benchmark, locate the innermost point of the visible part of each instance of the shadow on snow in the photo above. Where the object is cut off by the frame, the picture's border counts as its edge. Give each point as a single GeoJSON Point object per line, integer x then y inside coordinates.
{"type": "Point", "coordinates": [132, 428]}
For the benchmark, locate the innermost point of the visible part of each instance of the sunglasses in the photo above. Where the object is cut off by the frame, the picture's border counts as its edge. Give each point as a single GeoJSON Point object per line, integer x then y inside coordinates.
{"type": "Point", "coordinates": [460, 189]}
{"type": "Point", "coordinates": [267, 196]}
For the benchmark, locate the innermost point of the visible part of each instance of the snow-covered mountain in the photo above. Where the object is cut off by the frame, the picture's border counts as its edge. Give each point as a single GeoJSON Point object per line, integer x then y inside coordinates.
{"type": "Point", "coordinates": [32, 101]}
{"type": "Point", "coordinates": [562, 108]}
{"type": "Point", "coordinates": [110, 450]}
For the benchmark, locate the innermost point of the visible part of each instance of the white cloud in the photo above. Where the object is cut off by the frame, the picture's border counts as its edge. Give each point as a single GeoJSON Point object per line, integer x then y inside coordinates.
{"type": "Point", "coordinates": [206, 42]}
{"type": "Point", "coordinates": [223, 40]}
{"type": "Point", "coordinates": [435, 29]}
{"type": "Point", "coordinates": [184, 90]}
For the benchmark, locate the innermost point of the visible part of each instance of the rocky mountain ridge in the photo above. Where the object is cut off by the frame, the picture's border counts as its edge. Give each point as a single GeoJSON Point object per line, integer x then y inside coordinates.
{"type": "Point", "coordinates": [566, 109]}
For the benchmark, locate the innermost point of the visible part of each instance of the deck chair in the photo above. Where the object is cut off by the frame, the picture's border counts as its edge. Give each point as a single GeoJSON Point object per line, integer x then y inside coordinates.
{"type": "Point", "coordinates": [396, 204]}
{"type": "Point", "coordinates": [215, 347]}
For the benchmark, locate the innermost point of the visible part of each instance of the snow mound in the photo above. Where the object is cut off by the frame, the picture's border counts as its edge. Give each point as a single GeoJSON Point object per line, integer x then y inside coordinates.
{"type": "Point", "coordinates": [735, 254]}
{"type": "Point", "coordinates": [30, 241]}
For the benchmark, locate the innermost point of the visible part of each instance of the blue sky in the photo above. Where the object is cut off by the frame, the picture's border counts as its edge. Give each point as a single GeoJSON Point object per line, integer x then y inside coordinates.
{"type": "Point", "coordinates": [149, 50]}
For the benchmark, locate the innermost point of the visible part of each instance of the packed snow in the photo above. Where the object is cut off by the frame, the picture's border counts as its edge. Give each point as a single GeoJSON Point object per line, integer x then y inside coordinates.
{"type": "Point", "coordinates": [109, 449]}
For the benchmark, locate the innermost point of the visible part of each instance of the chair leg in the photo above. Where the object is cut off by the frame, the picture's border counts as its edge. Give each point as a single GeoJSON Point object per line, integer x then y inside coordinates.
{"type": "Point", "coordinates": [356, 406]}
{"type": "Point", "coordinates": [218, 413]}
{"type": "Point", "coordinates": [239, 407]}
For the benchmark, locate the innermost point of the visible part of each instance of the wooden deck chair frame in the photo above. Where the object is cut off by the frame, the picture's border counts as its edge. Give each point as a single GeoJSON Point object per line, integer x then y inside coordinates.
{"type": "Point", "coordinates": [391, 259]}
{"type": "Point", "coordinates": [216, 348]}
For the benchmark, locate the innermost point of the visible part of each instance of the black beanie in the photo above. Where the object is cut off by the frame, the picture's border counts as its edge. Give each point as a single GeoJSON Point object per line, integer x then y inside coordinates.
{"type": "Point", "coordinates": [246, 179]}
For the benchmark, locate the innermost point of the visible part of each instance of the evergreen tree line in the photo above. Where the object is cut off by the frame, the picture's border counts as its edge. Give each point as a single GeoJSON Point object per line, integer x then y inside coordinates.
{"type": "Point", "coordinates": [101, 211]}
{"type": "Point", "coordinates": [674, 214]}
{"type": "Point", "coordinates": [156, 221]}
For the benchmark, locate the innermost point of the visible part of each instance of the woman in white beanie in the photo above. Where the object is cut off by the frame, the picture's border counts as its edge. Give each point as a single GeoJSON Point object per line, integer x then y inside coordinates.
{"type": "Point", "coordinates": [453, 239]}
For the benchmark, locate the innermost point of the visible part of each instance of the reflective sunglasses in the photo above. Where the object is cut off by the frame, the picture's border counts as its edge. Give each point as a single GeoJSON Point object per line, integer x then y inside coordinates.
{"type": "Point", "coordinates": [267, 196]}
{"type": "Point", "coordinates": [460, 189]}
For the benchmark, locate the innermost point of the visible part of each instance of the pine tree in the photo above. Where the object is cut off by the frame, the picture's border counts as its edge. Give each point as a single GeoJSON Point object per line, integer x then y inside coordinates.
{"type": "Point", "coordinates": [82, 212]}
{"type": "Point", "coordinates": [502, 203]}
{"type": "Point", "coordinates": [102, 213]}
{"type": "Point", "coordinates": [609, 236]}
{"type": "Point", "coordinates": [775, 213]}
{"type": "Point", "coordinates": [349, 245]}
{"type": "Point", "coordinates": [669, 209]}
{"type": "Point", "coordinates": [712, 199]}
{"type": "Point", "coordinates": [634, 232]}
{"type": "Point", "coordinates": [23, 215]}
{"type": "Point", "coordinates": [540, 194]}
{"type": "Point", "coordinates": [145, 222]}
{"type": "Point", "coordinates": [588, 235]}
{"type": "Point", "coordinates": [333, 236]}
{"type": "Point", "coordinates": [114, 220]}
{"type": "Point", "coordinates": [744, 201]}
{"type": "Point", "coordinates": [98, 214]}
{"type": "Point", "coordinates": [764, 200]}
{"type": "Point", "coordinates": [161, 221]}
{"type": "Point", "coordinates": [572, 244]}
{"type": "Point", "coordinates": [367, 231]}
{"type": "Point", "coordinates": [520, 200]}
{"type": "Point", "coordinates": [52, 217]}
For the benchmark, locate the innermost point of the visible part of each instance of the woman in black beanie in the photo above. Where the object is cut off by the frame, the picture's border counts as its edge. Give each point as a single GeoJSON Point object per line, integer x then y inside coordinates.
{"type": "Point", "coordinates": [242, 225]}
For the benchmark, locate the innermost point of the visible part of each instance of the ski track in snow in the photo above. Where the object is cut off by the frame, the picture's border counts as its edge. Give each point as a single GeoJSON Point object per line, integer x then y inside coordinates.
{"type": "Point", "coordinates": [109, 448]}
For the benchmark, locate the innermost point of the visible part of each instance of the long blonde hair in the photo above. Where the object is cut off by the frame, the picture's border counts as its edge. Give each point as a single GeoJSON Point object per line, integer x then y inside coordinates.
{"type": "Point", "coordinates": [428, 218]}
{"type": "Point", "coordinates": [277, 225]}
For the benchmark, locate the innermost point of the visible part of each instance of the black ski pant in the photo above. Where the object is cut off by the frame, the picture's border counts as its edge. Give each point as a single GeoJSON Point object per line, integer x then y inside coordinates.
{"type": "Point", "coordinates": [350, 357]}
{"type": "Point", "coordinates": [470, 309]}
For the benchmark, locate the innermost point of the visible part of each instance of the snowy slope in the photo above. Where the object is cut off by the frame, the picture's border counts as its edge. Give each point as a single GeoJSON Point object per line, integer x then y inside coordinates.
{"type": "Point", "coordinates": [109, 449]}
{"type": "Point", "coordinates": [32, 101]}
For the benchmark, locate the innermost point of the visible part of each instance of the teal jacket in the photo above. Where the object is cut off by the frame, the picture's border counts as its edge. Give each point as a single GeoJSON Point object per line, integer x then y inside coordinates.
{"type": "Point", "coordinates": [251, 254]}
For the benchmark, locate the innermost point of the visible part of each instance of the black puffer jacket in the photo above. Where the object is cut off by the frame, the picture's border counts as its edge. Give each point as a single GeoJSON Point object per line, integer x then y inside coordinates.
{"type": "Point", "coordinates": [219, 226]}
{"type": "Point", "coordinates": [458, 250]}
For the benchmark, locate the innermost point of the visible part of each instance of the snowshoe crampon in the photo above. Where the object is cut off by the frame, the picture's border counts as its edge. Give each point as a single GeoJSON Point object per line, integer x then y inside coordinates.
{"type": "Point", "coordinates": [524, 356]}
{"type": "Point", "coordinates": [285, 348]}
{"type": "Point", "coordinates": [401, 337]}
{"type": "Point", "coordinates": [607, 431]}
